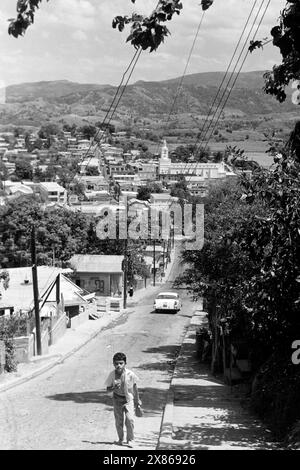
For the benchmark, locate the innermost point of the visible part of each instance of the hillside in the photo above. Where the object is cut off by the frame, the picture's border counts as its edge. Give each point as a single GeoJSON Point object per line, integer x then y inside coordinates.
{"type": "Point", "coordinates": [65, 101]}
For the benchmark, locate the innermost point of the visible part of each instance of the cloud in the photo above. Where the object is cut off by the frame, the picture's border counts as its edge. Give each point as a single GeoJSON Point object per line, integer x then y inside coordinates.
{"type": "Point", "coordinates": [79, 36]}
{"type": "Point", "coordinates": [64, 28]}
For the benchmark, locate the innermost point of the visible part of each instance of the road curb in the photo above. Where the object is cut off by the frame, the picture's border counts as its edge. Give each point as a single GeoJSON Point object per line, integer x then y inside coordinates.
{"type": "Point", "coordinates": [46, 367]}
{"type": "Point", "coordinates": [166, 429]}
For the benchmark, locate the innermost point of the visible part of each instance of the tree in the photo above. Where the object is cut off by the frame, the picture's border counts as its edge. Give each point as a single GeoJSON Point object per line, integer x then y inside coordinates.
{"type": "Point", "coordinates": [149, 32]}
{"type": "Point", "coordinates": [88, 131]}
{"type": "Point", "coordinates": [145, 191]}
{"type": "Point", "coordinates": [4, 279]}
{"type": "Point", "coordinates": [38, 174]}
{"type": "Point", "coordinates": [3, 174]}
{"type": "Point", "coordinates": [92, 171]}
{"type": "Point", "coordinates": [180, 190]}
{"type": "Point", "coordinates": [23, 170]}
{"type": "Point", "coordinates": [286, 36]}
{"type": "Point", "coordinates": [250, 263]}
{"type": "Point", "coordinates": [48, 130]}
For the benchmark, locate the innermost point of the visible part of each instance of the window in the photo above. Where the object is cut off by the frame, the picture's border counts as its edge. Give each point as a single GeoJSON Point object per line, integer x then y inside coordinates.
{"type": "Point", "coordinates": [167, 296]}
{"type": "Point", "coordinates": [99, 283]}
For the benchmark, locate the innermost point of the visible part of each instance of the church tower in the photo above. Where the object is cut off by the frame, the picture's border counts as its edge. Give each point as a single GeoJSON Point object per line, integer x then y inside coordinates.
{"type": "Point", "coordinates": [164, 161]}
{"type": "Point", "coordinates": [164, 151]}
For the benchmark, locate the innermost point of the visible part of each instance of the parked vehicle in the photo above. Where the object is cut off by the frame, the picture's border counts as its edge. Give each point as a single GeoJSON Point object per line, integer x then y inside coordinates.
{"type": "Point", "coordinates": [167, 301]}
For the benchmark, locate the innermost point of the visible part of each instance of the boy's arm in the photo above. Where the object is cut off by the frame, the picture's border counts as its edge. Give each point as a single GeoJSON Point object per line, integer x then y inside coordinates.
{"type": "Point", "coordinates": [109, 383]}
{"type": "Point", "coordinates": [136, 397]}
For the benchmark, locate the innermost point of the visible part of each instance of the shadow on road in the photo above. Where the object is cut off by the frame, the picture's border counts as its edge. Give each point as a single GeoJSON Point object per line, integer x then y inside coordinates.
{"type": "Point", "coordinates": [109, 443]}
{"type": "Point", "coordinates": [153, 399]}
{"type": "Point", "coordinates": [170, 350]}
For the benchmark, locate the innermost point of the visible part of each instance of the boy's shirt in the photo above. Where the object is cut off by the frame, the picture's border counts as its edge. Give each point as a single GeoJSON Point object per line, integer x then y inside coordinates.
{"type": "Point", "coordinates": [130, 378]}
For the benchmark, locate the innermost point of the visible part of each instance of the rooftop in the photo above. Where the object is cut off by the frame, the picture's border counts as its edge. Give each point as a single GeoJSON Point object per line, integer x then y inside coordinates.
{"type": "Point", "coordinates": [97, 263]}
{"type": "Point", "coordinates": [20, 291]}
{"type": "Point", "coordinates": [52, 186]}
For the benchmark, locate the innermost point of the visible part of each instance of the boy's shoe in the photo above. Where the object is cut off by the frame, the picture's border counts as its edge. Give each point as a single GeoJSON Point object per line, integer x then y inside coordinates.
{"type": "Point", "coordinates": [130, 443]}
{"type": "Point", "coordinates": [119, 443]}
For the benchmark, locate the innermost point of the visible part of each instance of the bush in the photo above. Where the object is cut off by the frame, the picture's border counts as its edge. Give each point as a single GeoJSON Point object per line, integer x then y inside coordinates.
{"type": "Point", "coordinates": [8, 329]}
{"type": "Point", "coordinates": [275, 394]}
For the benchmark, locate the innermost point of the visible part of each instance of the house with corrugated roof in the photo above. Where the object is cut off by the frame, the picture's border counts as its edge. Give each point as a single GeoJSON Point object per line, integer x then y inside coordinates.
{"type": "Point", "coordinates": [18, 297]}
{"type": "Point", "coordinates": [101, 274]}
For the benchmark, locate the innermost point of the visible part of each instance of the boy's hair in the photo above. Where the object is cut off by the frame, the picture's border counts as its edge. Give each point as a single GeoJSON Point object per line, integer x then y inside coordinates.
{"type": "Point", "coordinates": [119, 356]}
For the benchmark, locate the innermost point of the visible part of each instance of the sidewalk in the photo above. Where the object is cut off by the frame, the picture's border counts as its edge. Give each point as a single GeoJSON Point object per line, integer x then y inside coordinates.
{"type": "Point", "coordinates": [73, 340]}
{"type": "Point", "coordinates": [202, 413]}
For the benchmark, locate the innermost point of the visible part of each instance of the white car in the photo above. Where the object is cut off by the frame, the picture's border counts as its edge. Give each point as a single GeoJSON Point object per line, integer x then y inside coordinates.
{"type": "Point", "coordinates": [167, 301]}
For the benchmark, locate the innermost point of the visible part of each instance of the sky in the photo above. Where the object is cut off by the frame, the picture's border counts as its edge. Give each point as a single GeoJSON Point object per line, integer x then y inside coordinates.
{"type": "Point", "coordinates": [74, 40]}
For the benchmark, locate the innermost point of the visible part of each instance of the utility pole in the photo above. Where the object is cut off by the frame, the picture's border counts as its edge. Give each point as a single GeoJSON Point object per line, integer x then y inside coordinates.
{"type": "Point", "coordinates": [36, 294]}
{"type": "Point", "coordinates": [154, 262]}
{"type": "Point", "coordinates": [125, 257]}
{"type": "Point", "coordinates": [164, 245]}
{"type": "Point", "coordinates": [125, 273]}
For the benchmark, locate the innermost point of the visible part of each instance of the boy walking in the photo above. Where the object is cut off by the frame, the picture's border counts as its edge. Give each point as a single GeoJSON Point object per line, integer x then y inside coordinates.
{"type": "Point", "coordinates": [123, 383]}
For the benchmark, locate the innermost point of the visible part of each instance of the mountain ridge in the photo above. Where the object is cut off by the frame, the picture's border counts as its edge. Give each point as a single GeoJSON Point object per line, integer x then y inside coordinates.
{"type": "Point", "coordinates": [32, 101]}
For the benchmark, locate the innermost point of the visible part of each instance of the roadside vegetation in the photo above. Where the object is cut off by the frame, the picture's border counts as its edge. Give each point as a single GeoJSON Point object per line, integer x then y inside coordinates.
{"type": "Point", "coordinates": [249, 273]}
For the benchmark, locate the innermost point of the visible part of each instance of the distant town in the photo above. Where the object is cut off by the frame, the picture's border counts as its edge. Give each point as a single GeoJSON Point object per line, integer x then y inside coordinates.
{"type": "Point", "coordinates": [81, 173]}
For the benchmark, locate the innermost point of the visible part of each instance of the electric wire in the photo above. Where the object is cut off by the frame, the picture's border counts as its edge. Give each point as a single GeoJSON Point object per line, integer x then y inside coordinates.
{"type": "Point", "coordinates": [179, 87]}
{"type": "Point", "coordinates": [226, 73]}
{"type": "Point", "coordinates": [237, 75]}
{"type": "Point", "coordinates": [232, 73]}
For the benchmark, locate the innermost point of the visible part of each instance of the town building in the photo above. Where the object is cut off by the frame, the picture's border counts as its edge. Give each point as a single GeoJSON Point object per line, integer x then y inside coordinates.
{"type": "Point", "coordinates": [52, 192]}
{"type": "Point", "coordinates": [101, 274]}
{"type": "Point", "coordinates": [94, 183]}
{"type": "Point", "coordinates": [211, 172]}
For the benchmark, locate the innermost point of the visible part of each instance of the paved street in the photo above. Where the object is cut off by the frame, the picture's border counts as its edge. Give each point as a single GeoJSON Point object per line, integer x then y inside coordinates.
{"type": "Point", "coordinates": [68, 408]}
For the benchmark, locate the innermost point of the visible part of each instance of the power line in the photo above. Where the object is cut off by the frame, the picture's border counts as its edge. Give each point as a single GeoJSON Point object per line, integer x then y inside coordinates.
{"type": "Point", "coordinates": [226, 73]}
{"type": "Point", "coordinates": [238, 73]}
{"type": "Point", "coordinates": [179, 87]}
{"type": "Point", "coordinates": [224, 77]}
{"type": "Point", "coordinates": [245, 57]}
{"type": "Point", "coordinates": [261, 19]}
{"type": "Point", "coordinates": [232, 73]}
{"type": "Point", "coordinates": [132, 64]}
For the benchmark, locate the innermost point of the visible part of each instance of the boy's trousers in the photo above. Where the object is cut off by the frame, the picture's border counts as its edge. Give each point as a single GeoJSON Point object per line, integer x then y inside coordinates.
{"type": "Point", "coordinates": [124, 410]}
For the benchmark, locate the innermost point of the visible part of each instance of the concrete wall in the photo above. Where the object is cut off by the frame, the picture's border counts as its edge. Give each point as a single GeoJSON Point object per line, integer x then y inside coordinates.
{"type": "Point", "coordinates": [79, 319]}
{"type": "Point", "coordinates": [45, 342]}
{"type": "Point", "coordinates": [24, 348]}
{"type": "Point", "coordinates": [58, 329]}
{"type": "Point", "coordinates": [101, 283]}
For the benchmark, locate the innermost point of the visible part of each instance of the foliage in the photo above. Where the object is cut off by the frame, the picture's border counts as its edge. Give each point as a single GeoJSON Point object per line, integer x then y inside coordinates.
{"type": "Point", "coordinates": [91, 171]}
{"type": "Point", "coordinates": [286, 36]}
{"type": "Point", "coordinates": [4, 277]}
{"type": "Point", "coordinates": [88, 131]}
{"type": "Point", "coordinates": [250, 262]}
{"type": "Point", "coordinates": [136, 264]}
{"type": "Point", "coordinates": [3, 174]}
{"type": "Point", "coordinates": [8, 328]}
{"type": "Point", "coordinates": [48, 130]}
{"type": "Point", "coordinates": [149, 32]}
{"type": "Point", "coordinates": [275, 394]}
{"type": "Point", "coordinates": [23, 170]}
{"type": "Point", "coordinates": [145, 191]}
{"type": "Point", "coordinates": [180, 190]}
